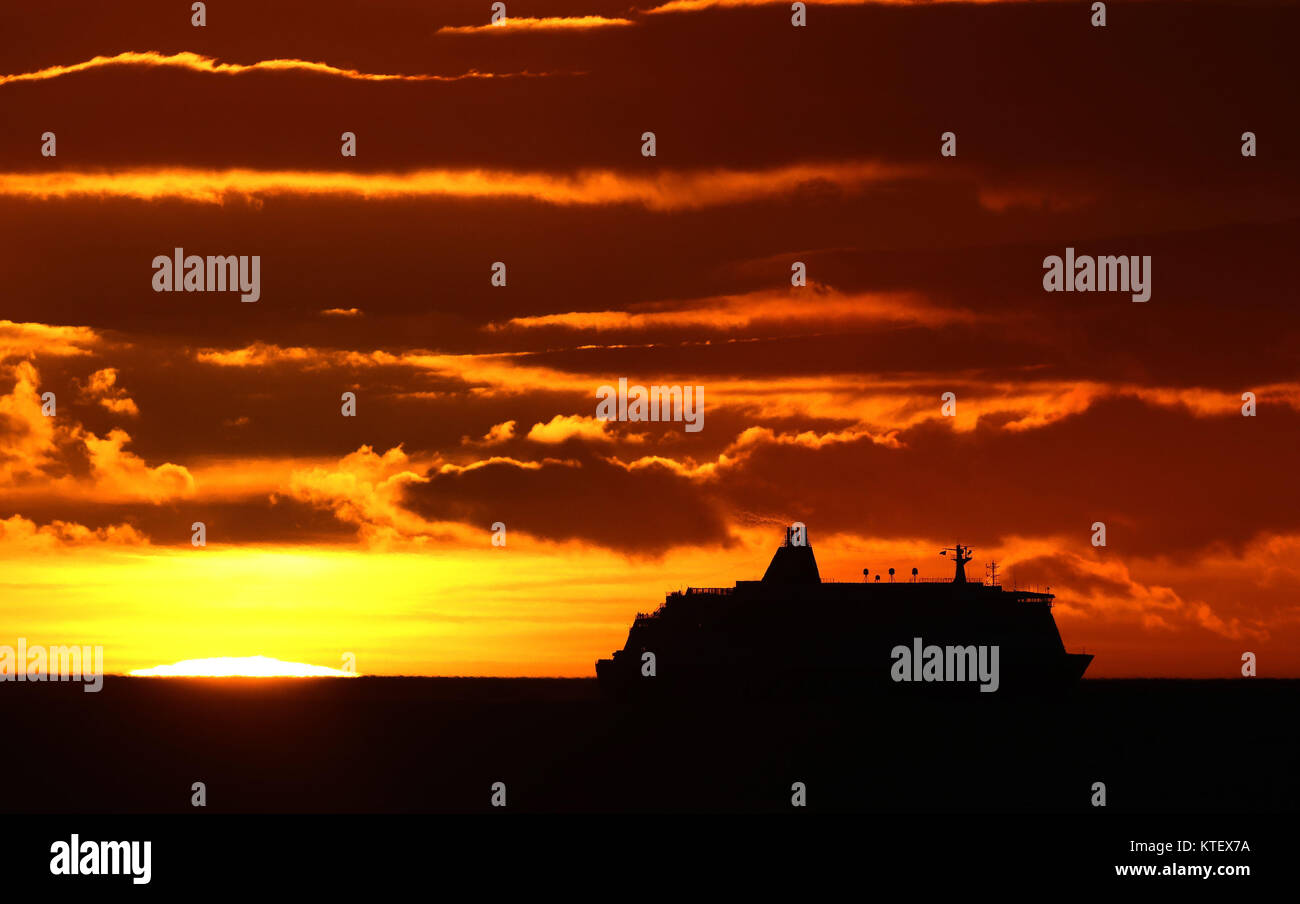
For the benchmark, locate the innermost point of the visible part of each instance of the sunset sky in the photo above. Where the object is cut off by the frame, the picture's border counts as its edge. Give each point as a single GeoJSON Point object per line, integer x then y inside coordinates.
{"type": "Point", "coordinates": [475, 403]}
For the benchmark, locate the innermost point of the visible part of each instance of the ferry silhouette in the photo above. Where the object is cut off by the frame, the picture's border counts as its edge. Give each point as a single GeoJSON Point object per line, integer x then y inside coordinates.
{"type": "Point", "coordinates": [793, 632]}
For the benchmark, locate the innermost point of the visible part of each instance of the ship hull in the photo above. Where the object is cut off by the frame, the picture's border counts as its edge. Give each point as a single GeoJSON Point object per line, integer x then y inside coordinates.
{"type": "Point", "coordinates": [1026, 678]}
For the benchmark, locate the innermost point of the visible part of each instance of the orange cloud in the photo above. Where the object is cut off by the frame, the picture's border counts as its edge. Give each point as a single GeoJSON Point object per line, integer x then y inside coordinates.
{"type": "Point", "coordinates": [33, 447]}
{"type": "Point", "coordinates": [498, 434]}
{"type": "Point", "coordinates": [875, 404]}
{"type": "Point", "coordinates": [27, 437]}
{"type": "Point", "coordinates": [658, 190]}
{"type": "Point", "coordinates": [18, 534]}
{"type": "Point", "coordinates": [500, 460]}
{"type": "Point", "coordinates": [368, 490]}
{"type": "Point", "coordinates": [682, 468]}
{"type": "Point", "coordinates": [124, 475]}
{"type": "Point", "coordinates": [198, 63]}
{"type": "Point", "coordinates": [487, 374]}
{"type": "Point", "coordinates": [244, 477]}
{"type": "Point", "coordinates": [260, 354]}
{"type": "Point", "coordinates": [749, 441]}
{"type": "Point", "coordinates": [102, 386]}
{"type": "Point", "coordinates": [523, 23]}
{"type": "Point", "coordinates": [813, 304]}
{"type": "Point", "coordinates": [365, 489]}
{"type": "Point", "coordinates": [686, 6]}
{"type": "Point", "coordinates": [565, 426]}
{"type": "Point", "coordinates": [29, 339]}
{"type": "Point", "coordinates": [1107, 590]}
{"type": "Point", "coordinates": [1053, 200]}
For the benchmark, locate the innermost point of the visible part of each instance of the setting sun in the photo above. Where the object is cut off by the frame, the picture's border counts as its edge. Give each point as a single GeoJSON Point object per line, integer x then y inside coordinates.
{"type": "Point", "coordinates": [240, 667]}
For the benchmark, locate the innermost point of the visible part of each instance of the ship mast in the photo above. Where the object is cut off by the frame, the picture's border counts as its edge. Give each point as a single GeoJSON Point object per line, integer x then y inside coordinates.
{"type": "Point", "coordinates": [960, 555]}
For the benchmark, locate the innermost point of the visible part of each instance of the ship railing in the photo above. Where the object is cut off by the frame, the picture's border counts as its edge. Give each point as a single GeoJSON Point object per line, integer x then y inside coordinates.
{"type": "Point", "coordinates": [710, 591]}
{"type": "Point", "coordinates": [947, 581]}
{"type": "Point", "coordinates": [643, 616]}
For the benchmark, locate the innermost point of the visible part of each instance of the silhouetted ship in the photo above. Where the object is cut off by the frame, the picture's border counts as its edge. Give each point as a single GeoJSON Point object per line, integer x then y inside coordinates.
{"type": "Point", "coordinates": [793, 632]}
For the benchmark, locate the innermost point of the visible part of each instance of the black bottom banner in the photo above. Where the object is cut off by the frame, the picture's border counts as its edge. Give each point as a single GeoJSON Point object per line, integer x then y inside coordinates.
{"type": "Point", "coordinates": [525, 852]}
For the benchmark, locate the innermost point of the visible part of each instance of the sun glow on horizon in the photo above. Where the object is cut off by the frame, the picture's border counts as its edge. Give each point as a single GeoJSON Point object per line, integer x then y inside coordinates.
{"type": "Point", "coordinates": [240, 667]}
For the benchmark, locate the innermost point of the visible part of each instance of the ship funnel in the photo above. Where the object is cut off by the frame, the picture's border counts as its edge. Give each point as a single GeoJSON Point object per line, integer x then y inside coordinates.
{"type": "Point", "coordinates": [794, 562]}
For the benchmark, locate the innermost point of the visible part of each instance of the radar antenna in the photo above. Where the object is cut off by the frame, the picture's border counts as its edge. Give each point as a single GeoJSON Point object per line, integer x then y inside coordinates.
{"type": "Point", "coordinates": [960, 556]}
